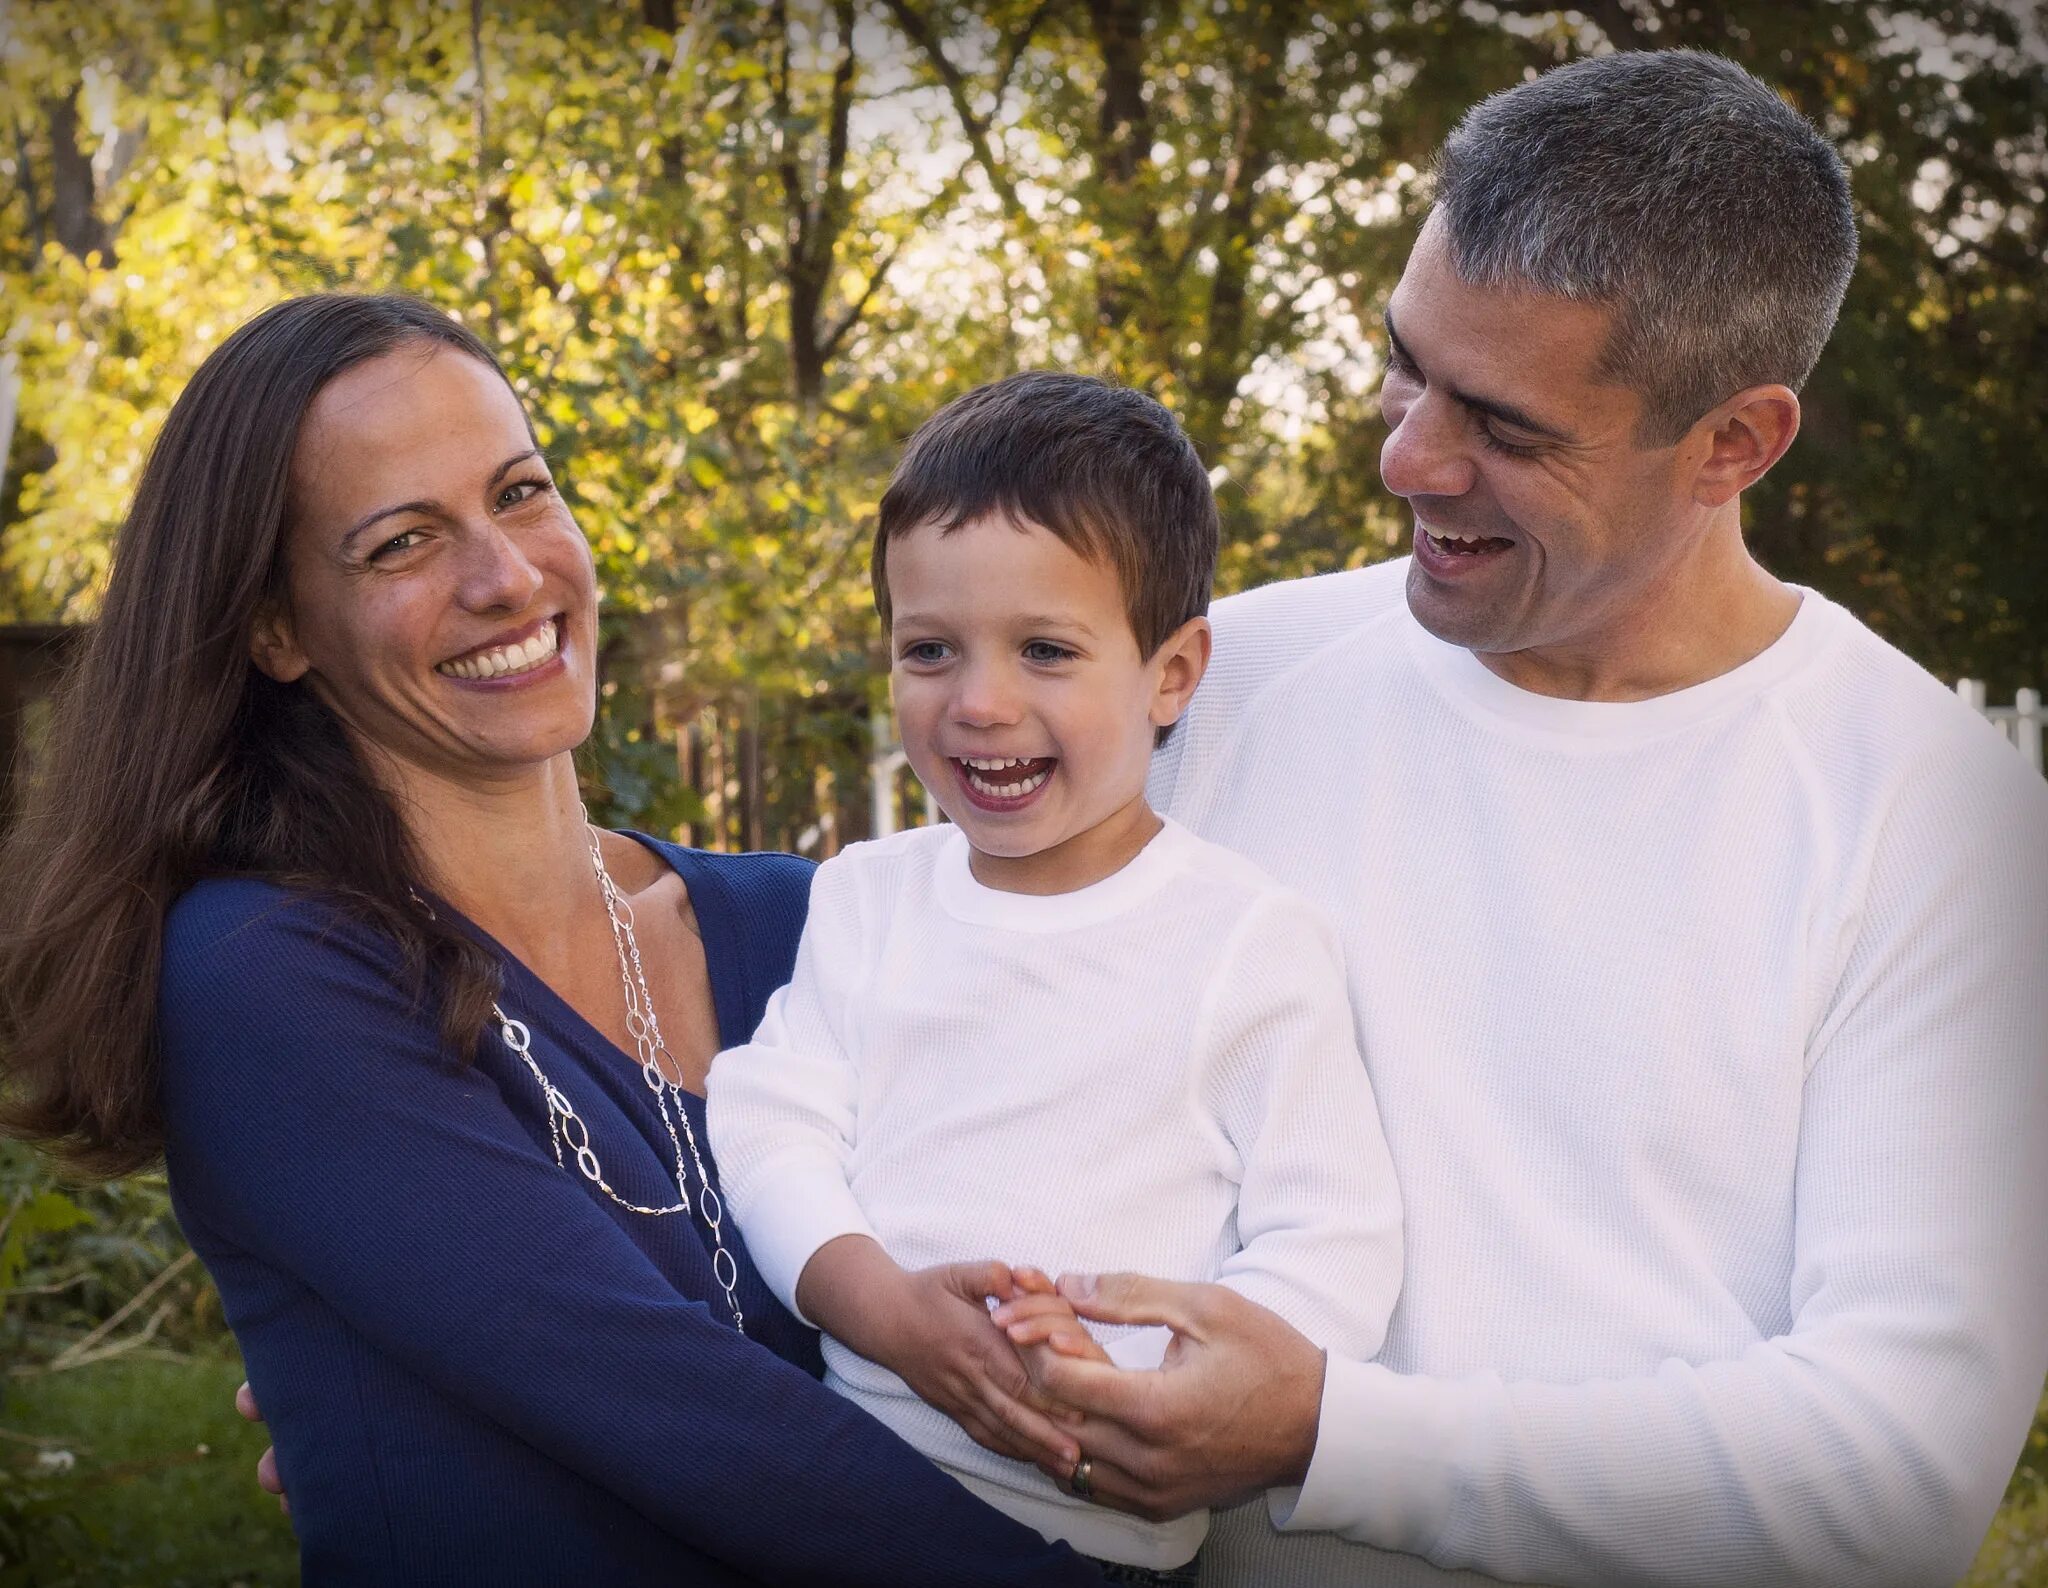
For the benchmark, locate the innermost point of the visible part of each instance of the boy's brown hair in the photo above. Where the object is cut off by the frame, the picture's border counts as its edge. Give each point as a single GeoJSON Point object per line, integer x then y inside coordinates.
{"type": "Point", "coordinates": [1104, 468]}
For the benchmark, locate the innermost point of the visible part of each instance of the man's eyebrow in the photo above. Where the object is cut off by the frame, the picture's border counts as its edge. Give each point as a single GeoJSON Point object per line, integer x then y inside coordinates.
{"type": "Point", "coordinates": [1506, 412]}
{"type": "Point", "coordinates": [429, 508]}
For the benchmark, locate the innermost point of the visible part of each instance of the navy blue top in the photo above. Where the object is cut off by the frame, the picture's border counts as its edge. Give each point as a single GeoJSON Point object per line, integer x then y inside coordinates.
{"type": "Point", "coordinates": [476, 1368]}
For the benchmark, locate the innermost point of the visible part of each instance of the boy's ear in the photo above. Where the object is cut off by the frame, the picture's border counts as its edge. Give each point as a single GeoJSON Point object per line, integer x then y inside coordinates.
{"type": "Point", "coordinates": [273, 648]}
{"type": "Point", "coordinates": [1178, 665]}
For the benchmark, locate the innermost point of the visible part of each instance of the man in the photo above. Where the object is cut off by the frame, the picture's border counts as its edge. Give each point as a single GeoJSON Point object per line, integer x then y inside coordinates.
{"type": "Point", "coordinates": [1697, 939]}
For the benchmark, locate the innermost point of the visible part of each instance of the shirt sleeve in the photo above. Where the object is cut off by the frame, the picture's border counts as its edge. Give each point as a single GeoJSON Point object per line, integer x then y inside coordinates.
{"type": "Point", "coordinates": [1871, 1441]}
{"type": "Point", "coordinates": [316, 1120]}
{"type": "Point", "coordinates": [1318, 1209]}
{"type": "Point", "coordinates": [783, 1108]}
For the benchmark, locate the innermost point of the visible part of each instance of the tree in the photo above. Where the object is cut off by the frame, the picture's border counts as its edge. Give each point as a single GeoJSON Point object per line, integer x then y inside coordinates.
{"type": "Point", "coordinates": [732, 254]}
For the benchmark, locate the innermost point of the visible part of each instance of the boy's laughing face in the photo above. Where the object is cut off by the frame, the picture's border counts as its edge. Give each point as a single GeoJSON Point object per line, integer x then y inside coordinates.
{"type": "Point", "coordinates": [1024, 704]}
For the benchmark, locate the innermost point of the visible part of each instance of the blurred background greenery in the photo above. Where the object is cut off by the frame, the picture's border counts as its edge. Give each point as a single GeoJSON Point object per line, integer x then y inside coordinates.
{"type": "Point", "coordinates": [731, 253]}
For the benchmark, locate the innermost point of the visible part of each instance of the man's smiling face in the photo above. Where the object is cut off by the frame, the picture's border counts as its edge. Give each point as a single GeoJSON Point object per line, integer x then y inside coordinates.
{"type": "Point", "coordinates": [1541, 522]}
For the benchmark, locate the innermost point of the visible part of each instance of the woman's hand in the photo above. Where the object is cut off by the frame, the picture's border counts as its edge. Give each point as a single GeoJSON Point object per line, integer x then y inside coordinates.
{"type": "Point", "coordinates": [931, 1327]}
{"type": "Point", "coordinates": [267, 1478]}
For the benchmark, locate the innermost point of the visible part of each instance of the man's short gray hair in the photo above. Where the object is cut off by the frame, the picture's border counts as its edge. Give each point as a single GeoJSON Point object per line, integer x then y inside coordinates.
{"type": "Point", "coordinates": [1678, 189]}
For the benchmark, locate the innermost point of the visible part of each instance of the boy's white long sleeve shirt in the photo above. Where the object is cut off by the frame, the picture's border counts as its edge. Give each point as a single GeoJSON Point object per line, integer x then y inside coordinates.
{"type": "Point", "coordinates": [1158, 1073]}
{"type": "Point", "coordinates": [1710, 1038]}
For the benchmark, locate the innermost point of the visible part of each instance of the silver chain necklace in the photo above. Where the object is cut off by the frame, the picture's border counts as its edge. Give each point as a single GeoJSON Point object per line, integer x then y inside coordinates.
{"type": "Point", "coordinates": [564, 1123]}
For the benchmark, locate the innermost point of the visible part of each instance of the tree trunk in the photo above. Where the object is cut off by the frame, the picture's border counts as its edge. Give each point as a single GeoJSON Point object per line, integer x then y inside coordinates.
{"type": "Point", "coordinates": [814, 220]}
{"type": "Point", "coordinates": [1221, 364]}
{"type": "Point", "coordinates": [753, 797]}
{"type": "Point", "coordinates": [1126, 283]}
{"type": "Point", "coordinates": [10, 401]}
{"type": "Point", "coordinates": [74, 203]}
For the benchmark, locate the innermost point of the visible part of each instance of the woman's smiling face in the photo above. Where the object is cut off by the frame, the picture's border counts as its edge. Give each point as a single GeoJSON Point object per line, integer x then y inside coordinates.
{"type": "Point", "coordinates": [440, 600]}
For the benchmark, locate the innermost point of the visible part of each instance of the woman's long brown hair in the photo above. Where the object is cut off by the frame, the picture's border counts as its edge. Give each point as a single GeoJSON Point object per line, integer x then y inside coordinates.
{"type": "Point", "coordinates": [171, 758]}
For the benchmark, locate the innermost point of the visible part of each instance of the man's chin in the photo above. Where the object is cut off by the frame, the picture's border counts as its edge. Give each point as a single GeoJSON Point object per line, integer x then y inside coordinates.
{"type": "Point", "coordinates": [1462, 617]}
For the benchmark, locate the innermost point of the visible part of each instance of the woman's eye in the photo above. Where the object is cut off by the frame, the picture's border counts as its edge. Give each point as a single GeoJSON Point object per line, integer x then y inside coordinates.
{"type": "Point", "coordinates": [1046, 652]}
{"type": "Point", "coordinates": [403, 541]}
{"type": "Point", "coordinates": [522, 490]}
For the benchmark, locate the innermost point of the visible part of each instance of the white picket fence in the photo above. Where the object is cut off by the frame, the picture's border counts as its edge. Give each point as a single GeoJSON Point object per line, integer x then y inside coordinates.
{"type": "Point", "coordinates": [2020, 722]}
{"type": "Point", "coordinates": [884, 767]}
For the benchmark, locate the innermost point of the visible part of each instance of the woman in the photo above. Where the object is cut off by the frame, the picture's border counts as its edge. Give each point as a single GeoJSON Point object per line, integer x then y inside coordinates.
{"type": "Point", "coordinates": [306, 900]}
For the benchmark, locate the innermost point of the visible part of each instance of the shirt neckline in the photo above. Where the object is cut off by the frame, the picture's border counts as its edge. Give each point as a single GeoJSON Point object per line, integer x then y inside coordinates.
{"type": "Point", "coordinates": [960, 895]}
{"type": "Point", "coordinates": [720, 964]}
{"type": "Point", "coordinates": [1483, 695]}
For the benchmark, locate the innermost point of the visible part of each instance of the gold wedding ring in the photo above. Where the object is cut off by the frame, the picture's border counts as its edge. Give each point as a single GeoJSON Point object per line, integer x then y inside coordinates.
{"type": "Point", "coordinates": [1083, 1480]}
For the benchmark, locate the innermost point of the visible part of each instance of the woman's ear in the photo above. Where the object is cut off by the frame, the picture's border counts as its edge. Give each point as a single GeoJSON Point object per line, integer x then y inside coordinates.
{"type": "Point", "coordinates": [273, 648]}
{"type": "Point", "coordinates": [1179, 663]}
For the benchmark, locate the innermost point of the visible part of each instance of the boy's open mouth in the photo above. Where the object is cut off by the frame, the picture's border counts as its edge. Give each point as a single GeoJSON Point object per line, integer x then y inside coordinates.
{"type": "Point", "coordinates": [1003, 782]}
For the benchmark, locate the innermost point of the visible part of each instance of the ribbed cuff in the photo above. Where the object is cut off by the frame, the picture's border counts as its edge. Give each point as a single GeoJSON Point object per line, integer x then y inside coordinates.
{"type": "Point", "coordinates": [1385, 1469]}
{"type": "Point", "coordinates": [785, 1228]}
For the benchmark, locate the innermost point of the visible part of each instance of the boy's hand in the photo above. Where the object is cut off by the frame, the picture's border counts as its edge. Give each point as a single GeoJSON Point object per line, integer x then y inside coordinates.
{"type": "Point", "coordinates": [931, 1327]}
{"type": "Point", "coordinates": [1041, 1324]}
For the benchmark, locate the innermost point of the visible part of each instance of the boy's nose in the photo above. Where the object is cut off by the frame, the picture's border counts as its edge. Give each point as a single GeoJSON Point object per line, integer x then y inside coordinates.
{"type": "Point", "coordinates": [985, 698]}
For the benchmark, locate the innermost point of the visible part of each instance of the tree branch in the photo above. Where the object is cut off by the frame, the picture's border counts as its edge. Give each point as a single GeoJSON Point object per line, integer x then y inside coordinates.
{"type": "Point", "coordinates": [918, 29]}
{"type": "Point", "coordinates": [485, 232]}
{"type": "Point", "coordinates": [25, 182]}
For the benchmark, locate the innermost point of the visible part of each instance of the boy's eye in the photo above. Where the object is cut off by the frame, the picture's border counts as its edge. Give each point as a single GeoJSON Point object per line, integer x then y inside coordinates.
{"type": "Point", "coordinates": [926, 651]}
{"type": "Point", "coordinates": [1047, 652]}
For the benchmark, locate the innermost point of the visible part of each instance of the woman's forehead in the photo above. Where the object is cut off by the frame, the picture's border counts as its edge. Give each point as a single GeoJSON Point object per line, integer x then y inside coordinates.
{"type": "Point", "coordinates": [404, 420]}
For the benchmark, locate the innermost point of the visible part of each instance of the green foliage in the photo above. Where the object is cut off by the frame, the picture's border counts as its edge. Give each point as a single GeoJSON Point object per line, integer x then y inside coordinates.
{"type": "Point", "coordinates": [136, 1474]}
{"type": "Point", "coordinates": [99, 1415]}
{"type": "Point", "coordinates": [72, 1256]}
{"type": "Point", "coordinates": [732, 255]}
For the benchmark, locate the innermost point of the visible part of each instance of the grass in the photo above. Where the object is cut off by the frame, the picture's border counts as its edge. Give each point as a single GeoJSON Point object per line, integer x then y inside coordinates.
{"type": "Point", "coordinates": [161, 1489]}
{"type": "Point", "coordinates": [161, 1492]}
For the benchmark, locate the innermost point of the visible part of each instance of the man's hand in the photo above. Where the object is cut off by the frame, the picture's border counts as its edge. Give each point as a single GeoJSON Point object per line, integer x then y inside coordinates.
{"type": "Point", "coordinates": [1231, 1411]}
{"type": "Point", "coordinates": [931, 1327]}
{"type": "Point", "coordinates": [266, 1464]}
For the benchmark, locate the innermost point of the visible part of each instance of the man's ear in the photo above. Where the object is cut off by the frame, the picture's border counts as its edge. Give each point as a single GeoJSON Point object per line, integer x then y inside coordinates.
{"type": "Point", "coordinates": [1744, 436]}
{"type": "Point", "coordinates": [1181, 661]}
{"type": "Point", "coordinates": [273, 648]}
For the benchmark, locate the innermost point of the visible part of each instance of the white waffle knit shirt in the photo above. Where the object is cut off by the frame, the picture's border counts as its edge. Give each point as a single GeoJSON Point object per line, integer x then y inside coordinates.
{"type": "Point", "coordinates": [1710, 1038]}
{"type": "Point", "coordinates": [1156, 1072]}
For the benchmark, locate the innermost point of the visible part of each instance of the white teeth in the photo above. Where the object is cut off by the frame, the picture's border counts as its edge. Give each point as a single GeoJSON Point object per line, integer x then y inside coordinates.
{"type": "Point", "coordinates": [1010, 791]}
{"type": "Point", "coordinates": [520, 658]}
{"type": "Point", "coordinates": [989, 764]}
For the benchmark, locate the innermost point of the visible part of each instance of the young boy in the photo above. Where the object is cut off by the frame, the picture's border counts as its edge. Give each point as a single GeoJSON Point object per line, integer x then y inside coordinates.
{"type": "Point", "coordinates": [1058, 1031]}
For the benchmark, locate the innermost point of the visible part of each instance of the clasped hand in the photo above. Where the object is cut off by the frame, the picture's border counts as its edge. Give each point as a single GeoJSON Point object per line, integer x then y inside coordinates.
{"type": "Point", "coordinates": [932, 1328]}
{"type": "Point", "coordinates": [1230, 1411]}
